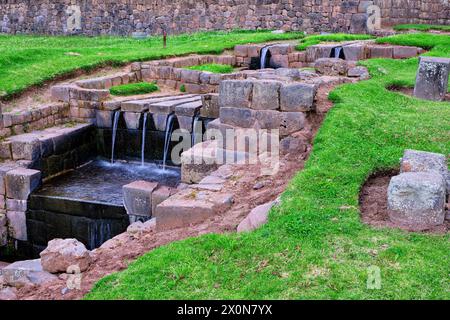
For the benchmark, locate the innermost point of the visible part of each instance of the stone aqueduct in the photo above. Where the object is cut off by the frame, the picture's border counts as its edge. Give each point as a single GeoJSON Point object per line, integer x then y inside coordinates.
{"type": "Point", "coordinates": [122, 17]}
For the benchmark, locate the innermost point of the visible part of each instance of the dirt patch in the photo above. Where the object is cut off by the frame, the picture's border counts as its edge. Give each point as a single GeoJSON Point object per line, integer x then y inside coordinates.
{"type": "Point", "coordinates": [410, 92]}
{"type": "Point", "coordinates": [40, 95]}
{"type": "Point", "coordinates": [373, 204]}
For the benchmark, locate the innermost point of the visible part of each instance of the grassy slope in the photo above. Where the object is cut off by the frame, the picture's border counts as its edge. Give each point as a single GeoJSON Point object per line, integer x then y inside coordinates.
{"type": "Point", "coordinates": [421, 27]}
{"type": "Point", "coordinates": [133, 89]}
{"type": "Point", "coordinates": [335, 37]}
{"type": "Point", "coordinates": [31, 60]}
{"type": "Point", "coordinates": [315, 245]}
{"type": "Point", "coordinates": [214, 68]}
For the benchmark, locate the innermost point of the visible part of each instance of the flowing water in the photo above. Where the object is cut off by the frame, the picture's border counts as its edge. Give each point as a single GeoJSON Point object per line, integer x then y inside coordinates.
{"type": "Point", "coordinates": [337, 52]}
{"type": "Point", "coordinates": [115, 124]}
{"type": "Point", "coordinates": [196, 131]}
{"type": "Point", "coordinates": [144, 132]}
{"type": "Point", "coordinates": [168, 138]}
{"type": "Point", "coordinates": [264, 53]}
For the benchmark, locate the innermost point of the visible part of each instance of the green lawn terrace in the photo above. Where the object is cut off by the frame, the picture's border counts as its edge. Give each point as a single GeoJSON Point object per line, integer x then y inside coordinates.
{"type": "Point", "coordinates": [343, 129]}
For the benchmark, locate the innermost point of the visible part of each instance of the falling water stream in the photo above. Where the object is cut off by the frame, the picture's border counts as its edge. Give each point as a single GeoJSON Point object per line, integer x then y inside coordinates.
{"type": "Point", "coordinates": [169, 127]}
{"type": "Point", "coordinates": [144, 132]}
{"type": "Point", "coordinates": [114, 134]}
{"type": "Point", "coordinates": [337, 52]}
{"type": "Point", "coordinates": [264, 52]}
{"type": "Point", "coordinates": [195, 124]}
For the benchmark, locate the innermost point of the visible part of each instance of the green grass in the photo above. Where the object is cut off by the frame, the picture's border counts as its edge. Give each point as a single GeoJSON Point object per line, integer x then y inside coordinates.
{"type": "Point", "coordinates": [315, 246]}
{"type": "Point", "coordinates": [214, 68]}
{"type": "Point", "coordinates": [421, 27]}
{"type": "Point", "coordinates": [134, 89]}
{"type": "Point", "coordinates": [336, 37]}
{"type": "Point", "coordinates": [31, 60]}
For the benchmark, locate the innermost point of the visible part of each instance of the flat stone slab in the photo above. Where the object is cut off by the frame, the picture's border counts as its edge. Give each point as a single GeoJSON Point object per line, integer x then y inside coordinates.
{"type": "Point", "coordinates": [417, 200]}
{"type": "Point", "coordinates": [144, 105]}
{"type": "Point", "coordinates": [432, 78]}
{"type": "Point", "coordinates": [166, 107]}
{"type": "Point", "coordinates": [189, 109]}
{"type": "Point", "coordinates": [190, 207]}
{"type": "Point", "coordinates": [137, 198]}
{"type": "Point", "coordinates": [21, 182]}
{"type": "Point", "coordinates": [27, 272]}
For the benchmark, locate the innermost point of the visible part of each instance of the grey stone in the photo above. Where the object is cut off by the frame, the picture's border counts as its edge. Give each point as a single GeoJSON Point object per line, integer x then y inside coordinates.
{"type": "Point", "coordinates": [210, 108]}
{"type": "Point", "coordinates": [104, 118]}
{"type": "Point", "coordinates": [132, 120]}
{"type": "Point", "coordinates": [319, 51]}
{"type": "Point", "coordinates": [432, 78]}
{"type": "Point", "coordinates": [3, 230]}
{"type": "Point", "coordinates": [358, 23]}
{"type": "Point", "coordinates": [63, 254]}
{"type": "Point", "coordinates": [61, 92]}
{"type": "Point", "coordinates": [16, 205]}
{"type": "Point", "coordinates": [20, 183]}
{"type": "Point", "coordinates": [291, 122]}
{"type": "Point", "coordinates": [25, 147]}
{"type": "Point", "coordinates": [355, 52]}
{"type": "Point", "coordinates": [257, 218]}
{"type": "Point", "coordinates": [239, 117]}
{"type": "Point", "coordinates": [358, 72]}
{"type": "Point", "coordinates": [331, 66]}
{"type": "Point", "coordinates": [297, 97]}
{"type": "Point", "coordinates": [137, 198]}
{"type": "Point", "coordinates": [29, 272]}
{"type": "Point", "coordinates": [235, 93]}
{"type": "Point", "coordinates": [266, 95]}
{"type": "Point", "coordinates": [417, 200]}
{"type": "Point", "coordinates": [268, 119]}
{"type": "Point", "coordinates": [189, 109]}
{"type": "Point", "coordinates": [17, 225]}
{"type": "Point", "coordinates": [160, 120]}
{"type": "Point", "coordinates": [421, 161]}
{"type": "Point", "coordinates": [291, 73]}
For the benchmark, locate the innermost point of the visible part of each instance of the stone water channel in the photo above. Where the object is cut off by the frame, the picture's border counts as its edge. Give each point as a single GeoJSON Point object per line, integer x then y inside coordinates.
{"type": "Point", "coordinates": [79, 177]}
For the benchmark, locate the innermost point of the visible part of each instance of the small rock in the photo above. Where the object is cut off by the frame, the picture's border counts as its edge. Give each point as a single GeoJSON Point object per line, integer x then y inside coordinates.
{"type": "Point", "coordinates": [62, 254]}
{"type": "Point", "coordinates": [258, 186]}
{"type": "Point", "coordinates": [8, 294]}
{"type": "Point", "coordinates": [257, 218]}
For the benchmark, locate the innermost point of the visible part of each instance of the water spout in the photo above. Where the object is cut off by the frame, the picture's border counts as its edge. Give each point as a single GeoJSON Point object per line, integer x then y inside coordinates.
{"type": "Point", "coordinates": [169, 127]}
{"type": "Point", "coordinates": [337, 52]}
{"type": "Point", "coordinates": [144, 132]}
{"type": "Point", "coordinates": [114, 134]}
{"type": "Point", "coordinates": [195, 125]}
{"type": "Point", "coordinates": [264, 54]}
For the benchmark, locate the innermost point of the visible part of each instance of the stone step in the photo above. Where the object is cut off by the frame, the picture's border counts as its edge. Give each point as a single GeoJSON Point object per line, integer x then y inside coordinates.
{"type": "Point", "coordinates": [190, 207]}
{"type": "Point", "coordinates": [143, 105]}
{"type": "Point", "coordinates": [167, 107]}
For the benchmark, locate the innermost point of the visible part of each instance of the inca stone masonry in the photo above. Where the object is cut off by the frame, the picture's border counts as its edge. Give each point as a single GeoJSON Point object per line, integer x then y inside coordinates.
{"type": "Point", "coordinates": [123, 17]}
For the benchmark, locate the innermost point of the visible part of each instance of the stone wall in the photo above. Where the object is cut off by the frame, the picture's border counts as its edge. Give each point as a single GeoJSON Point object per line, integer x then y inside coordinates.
{"type": "Point", "coordinates": [122, 17]}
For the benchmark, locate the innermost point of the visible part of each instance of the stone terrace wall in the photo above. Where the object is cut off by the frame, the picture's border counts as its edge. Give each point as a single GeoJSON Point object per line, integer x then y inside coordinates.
{"type": "Point", "coordinates": [122, 17]}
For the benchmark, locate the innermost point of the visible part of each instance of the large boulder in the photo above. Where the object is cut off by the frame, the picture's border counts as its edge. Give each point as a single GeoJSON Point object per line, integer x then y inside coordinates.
{"type": "Point", "coordinates": [23, 273]}
{"type": "Point", "coordinates": [432, 78]}
{"type": "Point", "coordinates": [62, 254]}
{"type": "Point", "coordinates": [421, 161]}
{"type": "Point", "coordinates": [417, 200]}
{"type": "Point", "coordinates": [332, 66]}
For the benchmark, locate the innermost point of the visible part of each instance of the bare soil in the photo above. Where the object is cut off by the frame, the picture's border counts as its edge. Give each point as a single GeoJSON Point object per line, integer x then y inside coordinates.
{"type": "Point", "coordinates": [373, 204]}
{"type": "Point", "coordinates": [410, 91]}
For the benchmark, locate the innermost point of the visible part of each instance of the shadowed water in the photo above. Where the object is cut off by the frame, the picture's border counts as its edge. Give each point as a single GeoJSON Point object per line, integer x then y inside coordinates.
{"type": "Point", "coordinates": [100, 181]}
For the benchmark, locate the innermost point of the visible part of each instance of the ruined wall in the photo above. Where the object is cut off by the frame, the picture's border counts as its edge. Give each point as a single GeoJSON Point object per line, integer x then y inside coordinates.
{"type": "Point", "coordinates": [122, 17]}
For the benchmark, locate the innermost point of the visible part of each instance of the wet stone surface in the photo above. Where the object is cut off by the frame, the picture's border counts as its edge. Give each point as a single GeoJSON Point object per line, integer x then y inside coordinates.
{"type": "Point", "coordinates": [101, 181]}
